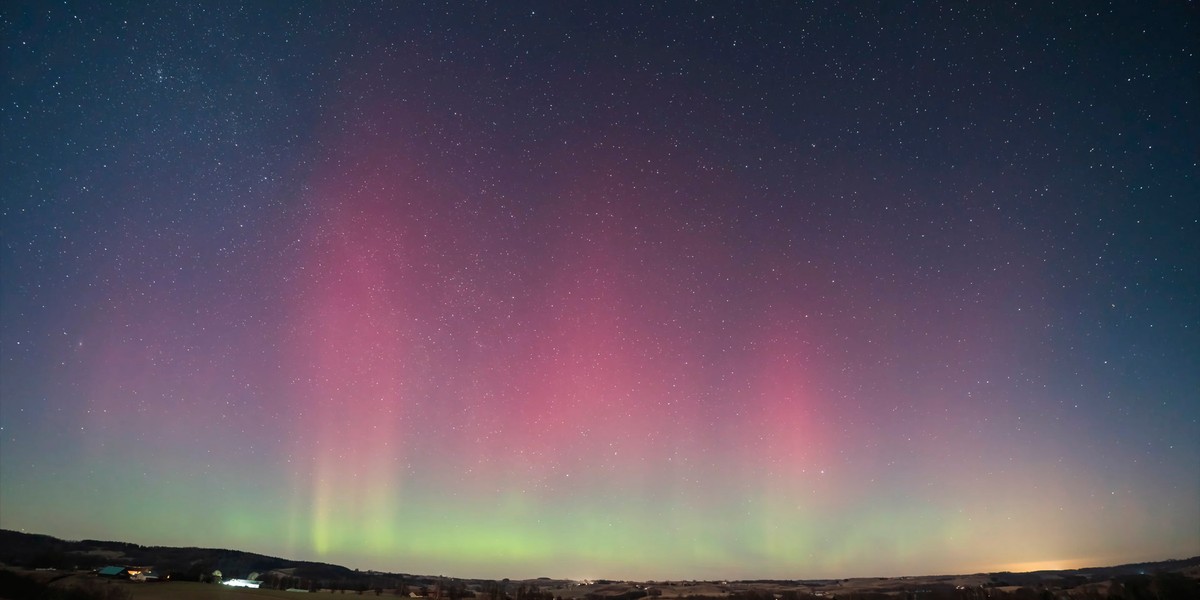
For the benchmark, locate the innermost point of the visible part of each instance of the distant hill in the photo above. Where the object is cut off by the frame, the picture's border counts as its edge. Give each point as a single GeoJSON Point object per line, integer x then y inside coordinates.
{"type": "Point", "coordinates": [1034, 578]}
{"type": "Point", "coordinates": [43, 551]}
{"type": "Point", "coordinates": [33, 551]}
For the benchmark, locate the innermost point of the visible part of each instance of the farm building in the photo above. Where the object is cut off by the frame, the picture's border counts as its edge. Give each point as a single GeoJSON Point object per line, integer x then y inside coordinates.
{"type": "Point", "coordinates": [124, 572]}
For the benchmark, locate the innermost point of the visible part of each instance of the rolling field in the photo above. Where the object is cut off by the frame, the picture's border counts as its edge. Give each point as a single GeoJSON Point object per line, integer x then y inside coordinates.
{"type": "Point", "coordinates": [174, 590]}
{"type": "Point", "coordinates": [190, 590]}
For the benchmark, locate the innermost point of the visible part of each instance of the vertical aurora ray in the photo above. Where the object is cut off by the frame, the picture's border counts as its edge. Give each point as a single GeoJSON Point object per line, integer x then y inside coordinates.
{"type": "Point", "coordinates": [352, 353]}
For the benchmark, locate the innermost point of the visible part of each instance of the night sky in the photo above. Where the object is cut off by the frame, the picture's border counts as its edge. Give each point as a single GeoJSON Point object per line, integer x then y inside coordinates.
{"type": "Point", "coordinates": [623, 290]}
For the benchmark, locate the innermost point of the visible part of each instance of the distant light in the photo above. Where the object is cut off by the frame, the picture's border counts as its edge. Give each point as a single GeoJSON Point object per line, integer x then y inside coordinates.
{"type": "Point", "coordinates": [242, 583]}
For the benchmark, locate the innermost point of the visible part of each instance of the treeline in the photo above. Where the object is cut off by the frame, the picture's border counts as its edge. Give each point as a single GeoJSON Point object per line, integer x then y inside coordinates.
{"type": "Point", "coordinates": [1159, 586]}
{"type": "Point", "coordinates": [187, 564]}
{"type": "Point", "coordinates": [431, 588]}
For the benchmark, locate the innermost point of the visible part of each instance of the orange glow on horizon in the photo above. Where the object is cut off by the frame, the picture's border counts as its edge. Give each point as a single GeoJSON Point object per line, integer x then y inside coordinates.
{"type": "Point", "coordinates": [1045, 565]}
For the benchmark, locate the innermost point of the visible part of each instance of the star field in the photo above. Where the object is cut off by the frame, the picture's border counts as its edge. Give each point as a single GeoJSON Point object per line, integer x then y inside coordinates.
{"type": "Point", "coordinates": [616, 290]}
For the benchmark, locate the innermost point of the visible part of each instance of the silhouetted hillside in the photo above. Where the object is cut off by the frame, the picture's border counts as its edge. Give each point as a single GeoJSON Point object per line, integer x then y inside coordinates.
{"type": "Point", "coordinates": [1163, 580]}
{"type": "Point", "coordinates": [42, 551]}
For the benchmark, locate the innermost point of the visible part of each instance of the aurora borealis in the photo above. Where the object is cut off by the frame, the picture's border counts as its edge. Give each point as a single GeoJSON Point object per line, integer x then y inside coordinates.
{"type": "Point", "coordinates": [619, 290]}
